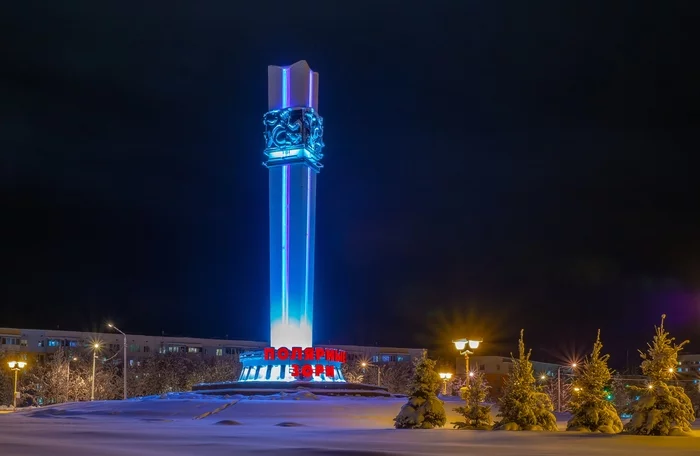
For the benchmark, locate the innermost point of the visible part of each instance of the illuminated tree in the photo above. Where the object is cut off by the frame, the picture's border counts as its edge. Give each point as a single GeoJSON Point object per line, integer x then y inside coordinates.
{"type": "Point", "coordinates": [353, 372]}
{"type": "Point", "coordinates": [423, 410]}
{"type": "Point", "coordinates": [6, 379]}
{"type": "Point", "coordinates": [523, 407]}
{"type": "Point", "coordinates": [662, 409]}
{"type": "Point", "coordinates": [476, 415]}
{"type": "Point", "coordinates": [397, 377]}
{"type": "Point", "coordinates": [590, 405]}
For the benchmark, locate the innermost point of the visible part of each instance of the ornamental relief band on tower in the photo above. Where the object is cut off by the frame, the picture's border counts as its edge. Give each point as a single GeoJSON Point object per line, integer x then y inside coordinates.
{"type": "Point", "coordinates": [290, 128]}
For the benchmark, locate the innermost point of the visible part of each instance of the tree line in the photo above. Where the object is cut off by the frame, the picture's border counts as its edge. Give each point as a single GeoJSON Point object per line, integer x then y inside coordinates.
{"type": "Point", "coordinates": [65, 377]}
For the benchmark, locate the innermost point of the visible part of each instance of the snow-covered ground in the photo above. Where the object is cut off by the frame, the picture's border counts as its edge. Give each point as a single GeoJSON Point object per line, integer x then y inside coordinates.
{"type": "Point", "coordinates": [299, 424]}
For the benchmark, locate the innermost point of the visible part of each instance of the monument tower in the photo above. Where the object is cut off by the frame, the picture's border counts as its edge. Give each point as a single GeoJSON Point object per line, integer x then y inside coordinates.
{"type": "Point", "coordinates": [293, 133]}
{"type": "Point", "coordinates": [293, 144]}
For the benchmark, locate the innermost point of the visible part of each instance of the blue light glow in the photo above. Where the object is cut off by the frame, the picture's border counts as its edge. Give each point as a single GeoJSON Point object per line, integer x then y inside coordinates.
{"type": "Point", "coordinates": [311, 89]}
{"type": "Point", "coordinates": [285, 87]}
{"type": "Point", "coordinates": [284, 299]}
{"type": "Point", "coordinates": [308, 244]}
{"type": "Point", "coordinates": [293, 147]}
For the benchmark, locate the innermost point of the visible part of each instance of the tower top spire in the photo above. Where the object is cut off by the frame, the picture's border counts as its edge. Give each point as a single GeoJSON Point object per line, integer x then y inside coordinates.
{"type": "Point", "coordinates": [294, 86]}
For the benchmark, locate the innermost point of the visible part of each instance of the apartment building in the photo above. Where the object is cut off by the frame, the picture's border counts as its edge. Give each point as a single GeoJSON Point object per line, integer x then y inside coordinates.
{"type": "Point", "coordinates": [43, 342]}
{"type": "Point", "coordinates": [689, 366]}
{"type": "Point", "coordinates": [497, 368]}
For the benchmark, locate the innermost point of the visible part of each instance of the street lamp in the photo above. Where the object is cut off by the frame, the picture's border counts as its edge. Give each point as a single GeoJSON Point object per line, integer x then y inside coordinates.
{"type": "Point", "coordinates": [69, 361]}
{"type": "Point", "coordinates": [74, 358]}
{"type": "Point", "coordinates": [16, 366]}
{"type": "Point", "coordinates": [571, 366]}
{"type": "Point", "coordinates": [124, 370]}
{"type": "Point", "coordinates": [95, 347]}
{"type": "Point", "coordinates": [461, 344]}
{"type": "Point", "coordinates": [379, 371]}
{"type": "Point", "coordinates": [445, 376]}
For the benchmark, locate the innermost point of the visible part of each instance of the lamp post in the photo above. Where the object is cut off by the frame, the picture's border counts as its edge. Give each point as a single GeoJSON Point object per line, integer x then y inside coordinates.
{"type": "Point", "coordinates": [125, 342]}
{"type": "Point", "coordinates": [69, 360]}
{"type": "Point", "coordinates": [379, 371]}
{"type": "Point", "coordinates": [95, 347]}
{"type": "Point", "coordinates": [15, 366]}
{"type": "Point", "coordinates": [572, 366]}
{"type": "Point", "coordinates": [74, 358]}
{"type": "Point", "coordinates": [461, 344]}
{"type": "Point", "coordinates": [445, 376]}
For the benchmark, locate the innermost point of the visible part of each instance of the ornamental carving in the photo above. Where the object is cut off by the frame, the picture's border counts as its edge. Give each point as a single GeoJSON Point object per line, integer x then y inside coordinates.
{"type": "Point", "coordinates": [290, 128]}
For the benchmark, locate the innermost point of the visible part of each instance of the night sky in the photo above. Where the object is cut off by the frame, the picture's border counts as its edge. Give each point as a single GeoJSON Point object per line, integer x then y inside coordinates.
{"type": "Point", "coordinates": [490, 166]}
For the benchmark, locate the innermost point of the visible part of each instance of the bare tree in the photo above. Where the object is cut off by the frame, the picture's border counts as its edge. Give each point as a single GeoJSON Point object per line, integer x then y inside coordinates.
{"type": "Point", "coordinates": [397, 377]}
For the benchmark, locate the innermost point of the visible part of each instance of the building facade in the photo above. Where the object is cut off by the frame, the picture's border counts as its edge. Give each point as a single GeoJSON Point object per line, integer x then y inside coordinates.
{"type": "Point", "coordinates": [689, 366]}
{"type": "Point", "coordinates": [40, 343]}
{"type": "Point", "coordinates": [497, 368]}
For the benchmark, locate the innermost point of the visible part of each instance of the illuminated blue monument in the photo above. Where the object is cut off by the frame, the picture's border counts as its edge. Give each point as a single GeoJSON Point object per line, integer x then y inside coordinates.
{"type": "Point", "coordinates": [293, 133]}
{"type": "Point", "coordinates": [293, 144]}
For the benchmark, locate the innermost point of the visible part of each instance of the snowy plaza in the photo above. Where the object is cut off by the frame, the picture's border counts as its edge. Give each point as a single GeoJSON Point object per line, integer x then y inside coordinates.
{"type": "Point", "coordinates": [189, 424]}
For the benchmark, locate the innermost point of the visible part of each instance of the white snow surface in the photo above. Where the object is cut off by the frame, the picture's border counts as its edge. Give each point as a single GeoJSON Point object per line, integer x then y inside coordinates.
{"type": "Point", "coordinates": [190, 424]}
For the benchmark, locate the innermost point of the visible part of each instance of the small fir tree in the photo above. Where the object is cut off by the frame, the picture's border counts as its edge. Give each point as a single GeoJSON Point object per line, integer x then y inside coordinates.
{"type": "Point", "coordinates": [662, 409]}
{"type": "Point", "coordinates": [476, 415]}
{"type": "Point", "coordinates": [423, 410]}
{"type": "Point", "coordinates": [589, 405]}
{"type": "Point", "coordinates": [523, 407]}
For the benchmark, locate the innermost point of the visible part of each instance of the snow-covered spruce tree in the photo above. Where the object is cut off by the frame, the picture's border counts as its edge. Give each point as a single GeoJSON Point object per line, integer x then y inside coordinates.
{"type": "Point", "coordinates": [661, 409]}
{"type": "Point", "coordinates": [591, 410]}
{"type": "Point", "coordinates": [476, 415]}
{"type": "Point", "coordinates": [522, 406]}
{"type": "Point", "coordinates": [423, 410]}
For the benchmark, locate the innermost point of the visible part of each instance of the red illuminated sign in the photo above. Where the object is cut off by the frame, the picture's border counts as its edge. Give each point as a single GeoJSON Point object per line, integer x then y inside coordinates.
{"type": "Point", "coordinates": [307, 354]}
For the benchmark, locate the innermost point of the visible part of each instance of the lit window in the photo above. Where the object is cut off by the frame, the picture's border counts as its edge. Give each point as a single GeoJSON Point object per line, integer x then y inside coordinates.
{"type": "Point", "coordinates": [54, 343]}
{"type": "Point", "coordinates": [23, 342]}
{"type": "Point", "coordinates": [73, 343]}
{"type": "Point", "coordinates": [134, 348]}
{"type": "Point", "coordinates": [219, 351]}
{"type": "Point", "coordinates": [386, 358]}
{"type": "Point", "coordinates": [399, 358]}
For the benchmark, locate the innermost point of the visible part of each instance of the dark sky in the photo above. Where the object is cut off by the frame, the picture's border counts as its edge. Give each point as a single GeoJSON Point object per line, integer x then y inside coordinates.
{"type": "Point", "coordinates": [489, 166]}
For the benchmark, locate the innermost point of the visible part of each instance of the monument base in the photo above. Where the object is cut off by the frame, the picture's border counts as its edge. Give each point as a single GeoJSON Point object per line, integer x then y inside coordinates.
{"type": "Point", "coordinates": [267, 388]}
{"type": "Point", "coordinates": [256, 368]}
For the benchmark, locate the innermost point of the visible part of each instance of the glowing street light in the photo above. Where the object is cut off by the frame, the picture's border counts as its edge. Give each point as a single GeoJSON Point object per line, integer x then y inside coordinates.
{"type": "Point", "coordinates": [379, 371]}
{"type": "Point", "coordinates": [125, 342]}
{"type": "Point", "coordinates": [16, 366]}
{"type": "Point", "coordinates": [461, 344]}
{"type": "Point", "coordinates": [95, 347]}
{"type": "Point", "coordinates": [572, 366]}
{"type": "Point", "coordinates": [445, 376]}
